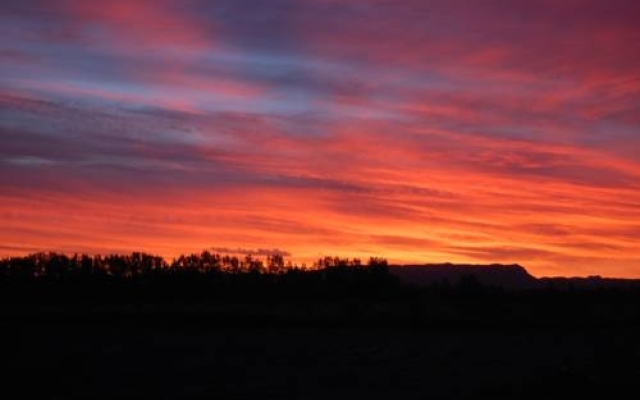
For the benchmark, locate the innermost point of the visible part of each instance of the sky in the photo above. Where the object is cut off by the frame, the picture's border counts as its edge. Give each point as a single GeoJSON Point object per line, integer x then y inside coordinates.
{"type": "Point", "coordinates": [421, 131]}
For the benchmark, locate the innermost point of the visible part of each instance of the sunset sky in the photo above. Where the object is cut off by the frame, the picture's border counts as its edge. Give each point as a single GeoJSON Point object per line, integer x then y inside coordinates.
{"type": "Point", "coordinates": [422, 131]}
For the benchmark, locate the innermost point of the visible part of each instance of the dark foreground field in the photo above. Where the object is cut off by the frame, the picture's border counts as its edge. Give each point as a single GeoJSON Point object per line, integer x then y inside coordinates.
{"type": "Point", "coordinates": [209, 327]}
{"type": "Point", "coordinates": [141, 354]}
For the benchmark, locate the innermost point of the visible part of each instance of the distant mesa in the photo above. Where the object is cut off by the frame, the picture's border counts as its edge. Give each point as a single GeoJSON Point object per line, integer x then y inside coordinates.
{"type": "Point", "coordinates": [510, 277]}
{"type": "Point", "coordinates": [506, 276]}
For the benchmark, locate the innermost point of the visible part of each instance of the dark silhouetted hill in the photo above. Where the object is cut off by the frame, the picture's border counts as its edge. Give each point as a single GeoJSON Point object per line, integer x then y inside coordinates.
{"type": "Point", "coordinates": [509, 277]}
{"type": "Point", "coordinates": [513, 277]}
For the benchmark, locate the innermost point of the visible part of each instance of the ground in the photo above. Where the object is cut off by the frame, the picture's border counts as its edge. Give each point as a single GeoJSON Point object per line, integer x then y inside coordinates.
{"type": "Point", "coordinates": [141, 357]}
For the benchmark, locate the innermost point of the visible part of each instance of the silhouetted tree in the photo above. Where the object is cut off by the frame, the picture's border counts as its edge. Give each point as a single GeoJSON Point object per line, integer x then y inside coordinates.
{"type": "Point", "coordinates": [275, 264]}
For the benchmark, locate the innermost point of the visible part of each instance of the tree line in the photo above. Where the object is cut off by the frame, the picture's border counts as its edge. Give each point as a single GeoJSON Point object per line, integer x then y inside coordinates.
{"type": "Point", "coordinates": [58, 265]}
{"type": "Point", "coordinates": [137, 276]}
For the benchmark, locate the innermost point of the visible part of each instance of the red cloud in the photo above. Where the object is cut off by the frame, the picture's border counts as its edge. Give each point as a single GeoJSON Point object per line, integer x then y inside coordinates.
{"type": "Point", "coordinates": [142, 25]}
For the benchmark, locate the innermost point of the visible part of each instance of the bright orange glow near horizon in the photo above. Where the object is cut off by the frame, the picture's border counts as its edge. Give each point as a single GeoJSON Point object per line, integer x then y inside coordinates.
{"type": "Point", "coordinates": [440, 131]}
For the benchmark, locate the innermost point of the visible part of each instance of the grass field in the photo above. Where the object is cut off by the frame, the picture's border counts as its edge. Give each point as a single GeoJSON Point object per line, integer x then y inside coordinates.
{"type": "Point", "coordinates": [53, 356]}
